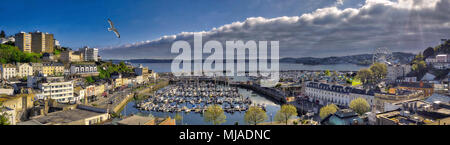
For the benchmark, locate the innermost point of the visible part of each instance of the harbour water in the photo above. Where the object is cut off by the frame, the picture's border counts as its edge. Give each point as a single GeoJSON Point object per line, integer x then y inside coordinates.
{"type": "Point", "coordinates": [165, 67]}
{"type": "Point", "coordinates": [193, 118]}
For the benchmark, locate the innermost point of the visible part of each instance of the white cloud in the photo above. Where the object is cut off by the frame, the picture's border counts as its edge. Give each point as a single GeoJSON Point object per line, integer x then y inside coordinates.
{"type": "Point", "coordinates": [339, 2]}
{"type": "Point", "coordinates": [403, 25]}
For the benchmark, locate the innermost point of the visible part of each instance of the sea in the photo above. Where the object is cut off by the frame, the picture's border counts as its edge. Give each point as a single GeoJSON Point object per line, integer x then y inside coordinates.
{"type": "Point", "coordinates": [165, 67]}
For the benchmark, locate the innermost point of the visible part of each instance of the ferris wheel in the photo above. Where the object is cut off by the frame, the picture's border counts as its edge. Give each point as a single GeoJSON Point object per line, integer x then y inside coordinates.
{"type": "Point", "coordinates": [382, 55]}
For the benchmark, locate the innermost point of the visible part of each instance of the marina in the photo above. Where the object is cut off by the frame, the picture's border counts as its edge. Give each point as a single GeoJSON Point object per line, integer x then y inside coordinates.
{"type": "Point", "coordinates": [195, 97]}
{"type": "Point", "coordinates": [193, 115]}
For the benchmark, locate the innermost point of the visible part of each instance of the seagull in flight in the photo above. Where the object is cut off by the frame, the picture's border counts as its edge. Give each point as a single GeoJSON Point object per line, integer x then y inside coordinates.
{"type": "Point", "coordinates": [113, 28]}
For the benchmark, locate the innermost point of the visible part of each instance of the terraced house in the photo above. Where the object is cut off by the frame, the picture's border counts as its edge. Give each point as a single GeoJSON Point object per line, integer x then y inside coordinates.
{"type": "Point", "coordinates": [51, 68]}
{"type": "Point", "coordinates": [24, 70]}
{"type": "Point", "coordinates": [8, 71]}
{"type": "Point", "coordinates": [84, 70]}
{"type": "Point", "coordinates": [324, 94]}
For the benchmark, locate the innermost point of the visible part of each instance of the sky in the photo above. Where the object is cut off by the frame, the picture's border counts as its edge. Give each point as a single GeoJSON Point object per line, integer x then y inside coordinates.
{"type": "Point", "coordinates": [304, 28]}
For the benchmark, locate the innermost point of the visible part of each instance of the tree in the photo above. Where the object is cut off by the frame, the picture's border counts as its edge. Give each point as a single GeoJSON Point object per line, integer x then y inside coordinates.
{"type": "Point", "coordinates": [3, 116]}
{"type": "Point", "coordinates": [179, 118]}
{"type": "Point", "coordinates": [255, 115]}
{"type": "Point", "coordinates": [2, 34]}
{"type": "Point", "coordinates": [360, 106]}
{"type": "Point", "coordinates": [89, 79]}
{"type": "Point", "coordinates": [428, 52]}
{"type": "Point", "coordinates": [327, 73]}
{"type": "Point", "coordinates": [214, 114]}
{"type": "Point", "coordinates": [285, 113]}
{"type": "Point", "coordinates": [365, 75]}
{"type": "Point", "coordinates": [379, 71]}
{"type": "Point", "coordinates": [327, 110]}
{"type": "Point", "coordinates": [335, 74]}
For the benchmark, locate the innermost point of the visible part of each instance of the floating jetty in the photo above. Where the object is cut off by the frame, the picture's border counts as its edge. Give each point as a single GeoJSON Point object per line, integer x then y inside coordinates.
{"type": "Point", "coordinates": [195, 97]}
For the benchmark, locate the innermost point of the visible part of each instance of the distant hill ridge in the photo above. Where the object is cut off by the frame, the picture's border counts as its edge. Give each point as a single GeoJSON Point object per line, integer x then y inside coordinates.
{"type": "Point", "coordinates": [360, 59]}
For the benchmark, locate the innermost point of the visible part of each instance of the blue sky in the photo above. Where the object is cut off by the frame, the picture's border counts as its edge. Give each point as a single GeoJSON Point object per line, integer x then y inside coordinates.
{"type": "Point", "coordinates": [83, 22]}
{"type": "Point", "coordinates": [315, 28]}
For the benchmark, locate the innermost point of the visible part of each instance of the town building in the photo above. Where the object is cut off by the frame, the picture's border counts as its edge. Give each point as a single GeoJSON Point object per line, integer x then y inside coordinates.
{"type": "Point", "coordinates": [141, 71]}
{"type": "Point", "coordinates": [89, 54]}
{"type": "Point", "coordinates": [8, 71]}
{"type": "Point", "coordinates": [42, 42]}
{"type": "Point", "coordinates": [23, 41]}
{"type": "Point", "coordinates": [71, 56]}
{"type": "Point", "coordinates": [57, 88]}
{"type": "Point", "coordinates": [37, 68]}
{"type": "Point", "coordinates": [441, 61]}
{"type": "Point", "coordinates": [5, 90]}
{"type": "Point", "coordinates": [395, 71]}
{"type": "Point", "coordinates": [79, 93]}
{"type": "Point", "coordinates": [426, 88]}
{"type": "Point", "coordinates": [52, 68]}
{"type": "Point", "coordinates": [442, 58]}
{"type": "Point", "coordinates": [10, 114]}
{"type": "Point", "coordinates": [19, 103]}
{"type": "Point", "coordinates": [24, 70]}
{"type": "Point", "coordinates": [324, 94]}
{"type": "Point", "coordinates": [84, 70]}
{"type": "Point", "coordinates": [81, 115]}
{"type": "Point", "coordinates": [99, 89]}
{"type": "Point", "coordinates": [48, 57]}
{"type": "Point", "coordinates": [9, 39]}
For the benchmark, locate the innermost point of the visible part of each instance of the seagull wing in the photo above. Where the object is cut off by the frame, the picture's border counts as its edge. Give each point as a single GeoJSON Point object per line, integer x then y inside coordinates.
{"type": "Point", "coordinates": [110, 23]}
{"type": "Point", "coordinates": [117, 33]}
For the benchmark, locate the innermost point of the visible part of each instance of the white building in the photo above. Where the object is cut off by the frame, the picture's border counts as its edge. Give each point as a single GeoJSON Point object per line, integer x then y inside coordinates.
{"type": "Point", "coordinates": [7, 91]}
{"type": "Point", "coordinates": [4, 40]}
{"type": "Point", "coordinates": [8, 71]}
{"type": "Point", "coordinates": [395, 71]}
{"type": "Point", "coordinates": [441, 61]}
{"type": "Point", "coordinates": [24, 70]}
{"type": "Point", "coordinates": [83, 69]}
{"type": "Point", "coordinates": [335, 94]}
{"type": "Point", "coordinates": [442, 58]}
{"type": "Point", "coordinates": [430, 60]}
{"type": "Point", "coordinates": [90, 54]}
{"type": "Point", "coordinates": [57, 88]}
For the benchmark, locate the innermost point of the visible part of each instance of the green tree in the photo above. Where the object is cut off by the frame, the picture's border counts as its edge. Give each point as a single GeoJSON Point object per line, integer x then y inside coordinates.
{"type": "Point", "coordinates": [365, 75]}
{"type": "Point", "coordinates": [327, 110]}
{"type": "Point", "coordinates": [255, 115]}
{"type": "Point", "coordinates": [179, 118]}
{"type": "Point", "coordinates": [327, 73]}
{"type": "Point", "coordinates": [335, 74]}
{"type": "Point", "coordinates": [428, 52]}
{"type": "Point", "coordinates": [360, 106]}
{"type": "Point", "coordinates": [3, 116]}
{"type": "Point", "coordinates": [12, 54]}
{"type": "Point", "coordinates": [419, 66]}
{"type": "Point", "coordinates": [214, 114]}
{"type": "Point", "coordinates": [89, 79]}
{"type": "Point", "coordinates": [2, 34]}
{"type": "Point", "coordinates": [285, 113]}
{"type": "Point", "coordinates": [379, 71]}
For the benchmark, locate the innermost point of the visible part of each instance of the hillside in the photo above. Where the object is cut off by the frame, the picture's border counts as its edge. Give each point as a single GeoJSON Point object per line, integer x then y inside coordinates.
{"type": "Point", "coordinates": [361, 59]}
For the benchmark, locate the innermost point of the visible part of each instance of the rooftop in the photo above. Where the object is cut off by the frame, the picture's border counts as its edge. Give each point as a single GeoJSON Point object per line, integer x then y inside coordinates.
{"type": "Point", "coordinates": [63, 117]}
{"type": "Point", "coordinates": [339, 88]}
{"type": "Point", "coordinates": [136, 120]}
